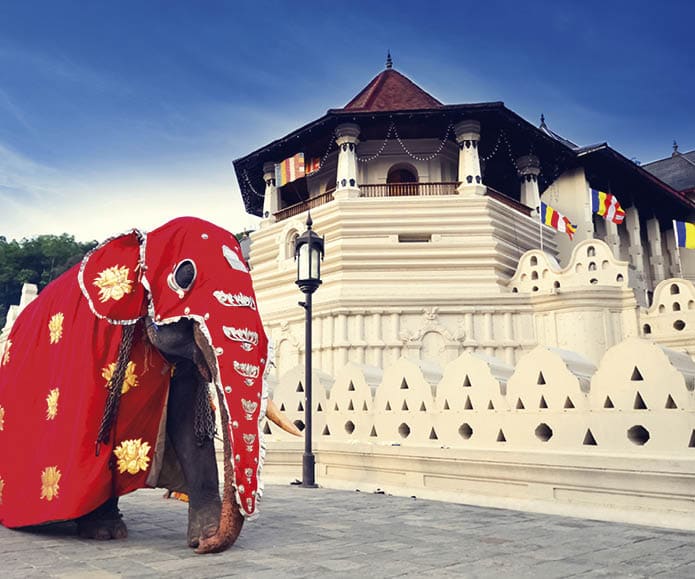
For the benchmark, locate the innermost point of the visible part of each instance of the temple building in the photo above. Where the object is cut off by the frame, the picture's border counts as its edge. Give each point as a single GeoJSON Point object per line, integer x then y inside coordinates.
{"type": "Point", "coordinates": [427, 209]}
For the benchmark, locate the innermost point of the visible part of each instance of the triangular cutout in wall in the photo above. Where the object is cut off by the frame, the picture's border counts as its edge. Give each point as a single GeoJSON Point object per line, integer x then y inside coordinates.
{"type": "Point", "coordinates": [501, 437]}
{"type": "Point", "coordinates": [468, 405]}
{"type": "Point", "coordinates": [639, 402]}
{"type": "Point", "coordinates": [589, 439]}
{"type": "Point", "coordinates": [541, 379]}
{"type": "Point", "coordinates": [670, 403]}
{"type": "Point", "coordinates": [568, 403]}
{"type": "Point", "coordinates": [636, 374]}
{"type": "Point", "coordinates": [608, 403]}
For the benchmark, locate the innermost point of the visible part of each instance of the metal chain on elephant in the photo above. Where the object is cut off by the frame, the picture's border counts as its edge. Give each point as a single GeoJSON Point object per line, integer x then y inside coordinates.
{"type": "Point", "coordinates": [204, 421]}
{"type": "Point", "coordinates": [115, 386]}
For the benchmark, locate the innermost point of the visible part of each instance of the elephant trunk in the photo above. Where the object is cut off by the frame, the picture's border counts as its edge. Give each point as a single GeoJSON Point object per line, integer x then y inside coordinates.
{"type": "Point", "coordinates": [231, 519]}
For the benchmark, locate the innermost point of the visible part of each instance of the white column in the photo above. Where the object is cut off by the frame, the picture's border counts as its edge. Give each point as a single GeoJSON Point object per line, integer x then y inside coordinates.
{"type": "Point", "coordinates": [469, 176]}
{"type": "Point", "coordinates": [613, 238]}
{"type": "Point", "coordinates": [634, 232]}
{"type": "Point", "coordinates": [656, 254]}
{"type": "Point", "coordinates": [529, 167]}
{"type": "Point", "coordinates": [271, 200]}
{"type": "Point", "coordinates": [346, 186]}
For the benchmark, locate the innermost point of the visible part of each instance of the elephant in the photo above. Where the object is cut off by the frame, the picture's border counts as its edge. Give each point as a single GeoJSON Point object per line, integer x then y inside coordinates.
{"type": "Point", "coordinates": [105, 386]}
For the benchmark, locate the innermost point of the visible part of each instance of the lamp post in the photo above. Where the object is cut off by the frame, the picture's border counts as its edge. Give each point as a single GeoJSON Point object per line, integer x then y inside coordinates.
{"type": "Point", "coordinates": [308, 253]}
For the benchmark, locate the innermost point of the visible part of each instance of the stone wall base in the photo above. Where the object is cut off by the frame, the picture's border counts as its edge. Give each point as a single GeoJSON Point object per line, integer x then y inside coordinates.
{"type": "Point", "coordinates": [648, 491]}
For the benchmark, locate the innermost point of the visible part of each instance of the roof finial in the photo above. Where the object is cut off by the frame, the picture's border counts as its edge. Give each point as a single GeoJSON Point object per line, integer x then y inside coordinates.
{"type": "Point", "coordinates": [542, 120]}
{"type": "Point", "coordinates": [675, 149]}
{"type": "Point", "coordinates": [389, 62]}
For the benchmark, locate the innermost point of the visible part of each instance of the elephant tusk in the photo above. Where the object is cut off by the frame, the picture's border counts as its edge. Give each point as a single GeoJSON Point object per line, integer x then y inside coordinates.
{"type": "Point", "coordinates": [273, 414]}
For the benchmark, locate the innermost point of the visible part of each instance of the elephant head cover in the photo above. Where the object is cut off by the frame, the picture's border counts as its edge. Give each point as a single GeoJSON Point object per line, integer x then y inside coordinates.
{"type": "Point", "coordinates": [57, 365]}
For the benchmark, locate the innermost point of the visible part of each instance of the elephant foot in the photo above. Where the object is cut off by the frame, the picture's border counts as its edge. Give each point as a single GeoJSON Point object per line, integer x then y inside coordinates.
{"type": "Point", "coordinates": [103, 523]}
{"type": "Point", "coordinates": [202, 524]}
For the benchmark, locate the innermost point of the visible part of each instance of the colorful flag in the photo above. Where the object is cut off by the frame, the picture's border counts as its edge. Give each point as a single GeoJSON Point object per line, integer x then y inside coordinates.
{"type": "Point", "coordinates": [289, 170]}
{"type": "Point", "coordinates": [685, 234]}
{"type": "Point", "coordinates": [557, 220]}
{"type": "Point", "coordinates": [312, 166]}
{"type": "Point", "coordinates": [606, 205]}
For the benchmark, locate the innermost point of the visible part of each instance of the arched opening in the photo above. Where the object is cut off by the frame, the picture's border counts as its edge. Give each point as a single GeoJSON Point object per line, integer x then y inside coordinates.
{"type": "Point", "coordinates": [402, 180]}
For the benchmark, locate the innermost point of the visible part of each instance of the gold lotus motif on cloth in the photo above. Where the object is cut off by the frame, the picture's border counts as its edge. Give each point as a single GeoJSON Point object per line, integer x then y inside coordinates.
{"type": "Point", "coordinates": [50, 477]}
{"type": "Point", "coordinates": [52, 404]}
{"type": "Point", "coordinates": [55, 327]}
{"type": "Point", "coordinates": [6, 354]}
{"type": "Point", "coordinates": [113, 283]}
{"type": "Point", "coordinates": [130, 380]}
{"type": "Point", "coordinates": [2, 418]}
{"type": "Point", "coordinates": [132, 456]}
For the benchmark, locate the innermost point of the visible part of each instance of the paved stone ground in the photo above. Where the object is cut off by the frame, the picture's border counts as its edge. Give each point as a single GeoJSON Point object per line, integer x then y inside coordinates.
{"type": "Point", "coordinates": [327, 533]}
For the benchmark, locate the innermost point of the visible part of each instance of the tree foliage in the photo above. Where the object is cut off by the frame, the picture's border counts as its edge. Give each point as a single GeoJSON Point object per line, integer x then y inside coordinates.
{"type": "Point", "coordinates": [37, 260]}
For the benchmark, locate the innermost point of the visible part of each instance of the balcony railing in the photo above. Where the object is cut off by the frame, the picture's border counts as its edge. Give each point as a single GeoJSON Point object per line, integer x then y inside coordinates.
{"type": "Point", "coordinates": [310, 203]}
{"type": "Point", "coordinates": [407, 189]}
{"type": "Point", "coordinates": [373, 190]}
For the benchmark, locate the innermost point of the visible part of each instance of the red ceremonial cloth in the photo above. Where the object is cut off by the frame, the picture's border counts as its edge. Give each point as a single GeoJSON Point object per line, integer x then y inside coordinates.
{"type": "Point", "coordinates": [62, 350]}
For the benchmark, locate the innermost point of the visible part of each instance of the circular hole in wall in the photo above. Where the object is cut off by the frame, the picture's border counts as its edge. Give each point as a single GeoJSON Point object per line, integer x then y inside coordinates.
{"type": "Point", "coordinates": [404, 430]}
{"type": "Point", "coordinates": [534, 288]}
{"type": "Point", "coordinates": [349, 427]}
{"type": "Point", "coordinates": [619, 277]}
{"type": "Point", "coordinates": [675, 289]}
{"type": "Point", "coordinates": [515, 290]}
{"type": "Point", "coordinates": [556, 284]}
{"type": "Point", "coordinates": [465, 431]}
{"type": "Point", "coordinates": [638, 435]}
{"type": "Point", "coordinates": [593, 281]}
{"type": "Point", "coordinates": [543, 432]}
{"type": "Point", "coordinates": [679, 325]}
{"type": "Point", "coordinates": [647, 329]}
{"type": "Point", "coordinates": [299, 424]}
{"type": "Point", "coordinates": [676, 307]}
{"type": "Point", "coordinates": [534, 260]}
{"type": "Point", "coordinates": [591, 251]}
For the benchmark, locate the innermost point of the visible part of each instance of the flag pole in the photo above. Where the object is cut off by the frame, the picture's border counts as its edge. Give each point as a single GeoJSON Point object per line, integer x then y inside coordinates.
{"type": "Point", "coordinates": [540, 225]}
{"type": "Point", "coordinates": [678, 249]}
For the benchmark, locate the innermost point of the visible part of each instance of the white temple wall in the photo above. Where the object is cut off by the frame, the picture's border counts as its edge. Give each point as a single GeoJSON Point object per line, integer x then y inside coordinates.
{"type": "Point", "coordinates": [554, 432]}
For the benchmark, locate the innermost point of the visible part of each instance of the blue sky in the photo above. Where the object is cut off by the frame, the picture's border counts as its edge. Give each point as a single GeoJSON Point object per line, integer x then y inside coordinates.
{"type": "Point", "coordinates": [122, 114]}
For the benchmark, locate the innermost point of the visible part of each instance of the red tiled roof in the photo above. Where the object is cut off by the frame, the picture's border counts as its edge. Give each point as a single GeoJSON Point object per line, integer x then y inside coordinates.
{"type": "Point", "coordinates": [391, 91]}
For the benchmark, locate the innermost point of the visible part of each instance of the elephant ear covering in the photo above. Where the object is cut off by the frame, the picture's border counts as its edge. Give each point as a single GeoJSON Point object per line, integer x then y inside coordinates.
{"type": "Point", "coordinates": [222, 302]}
{"type": "Point", "coordinates": [110, 279]}
{"type": "Point", "coordinates": [54, 372]}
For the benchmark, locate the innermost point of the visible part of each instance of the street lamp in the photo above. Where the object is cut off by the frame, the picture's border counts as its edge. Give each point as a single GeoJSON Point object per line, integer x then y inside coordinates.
{"type": "Point", "coordinates": [308, 253]}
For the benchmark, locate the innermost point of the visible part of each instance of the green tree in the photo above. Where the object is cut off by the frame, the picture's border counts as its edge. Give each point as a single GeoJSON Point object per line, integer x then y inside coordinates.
{"type": "Point", "coordinates": [37, 260]}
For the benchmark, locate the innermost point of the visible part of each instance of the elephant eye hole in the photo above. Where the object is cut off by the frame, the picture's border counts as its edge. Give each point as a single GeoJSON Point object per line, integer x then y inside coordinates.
{"type": "Point", "coordinates": [182, 277]}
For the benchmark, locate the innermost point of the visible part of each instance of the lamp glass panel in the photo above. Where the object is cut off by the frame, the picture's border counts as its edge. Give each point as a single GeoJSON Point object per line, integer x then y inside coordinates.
{"type": "Point", "coordinates": [303, 262]}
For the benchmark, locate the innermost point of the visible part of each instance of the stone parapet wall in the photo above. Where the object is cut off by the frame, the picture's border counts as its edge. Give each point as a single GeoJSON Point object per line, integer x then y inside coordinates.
{"type": "Point", "coordinates": [553, 428]}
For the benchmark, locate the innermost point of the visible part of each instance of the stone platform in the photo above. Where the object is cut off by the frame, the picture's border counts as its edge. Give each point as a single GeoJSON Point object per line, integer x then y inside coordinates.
{"type": "Point", "coordinates": [329, 533]}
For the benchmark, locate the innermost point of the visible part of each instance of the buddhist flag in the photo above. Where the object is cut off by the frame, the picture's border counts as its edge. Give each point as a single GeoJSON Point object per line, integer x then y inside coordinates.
{"type": "Point", "coordinates": [312, 166]}
{"type": "Point", "coordinates": [289, 170]}
{"type": "Point", "coordinates": [685, 234]}
{"type": "Point", "coordinates": [557, 220]}
{"type": "Point", "coordinates": [606, 205]}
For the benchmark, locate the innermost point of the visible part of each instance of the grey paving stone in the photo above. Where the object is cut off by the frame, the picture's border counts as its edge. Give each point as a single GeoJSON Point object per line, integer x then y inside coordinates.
{"type": "Point", "coordinates": [327, 533]}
